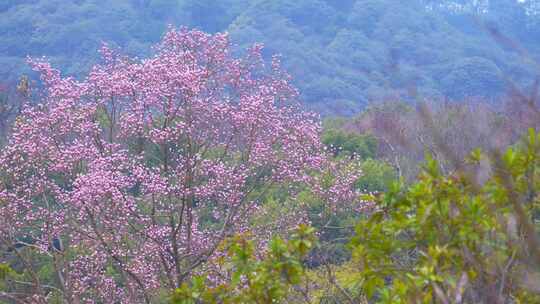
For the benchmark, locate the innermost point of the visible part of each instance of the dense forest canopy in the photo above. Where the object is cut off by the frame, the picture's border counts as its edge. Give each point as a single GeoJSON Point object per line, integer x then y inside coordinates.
{"type": "Point", "coordinates": [342, 54]}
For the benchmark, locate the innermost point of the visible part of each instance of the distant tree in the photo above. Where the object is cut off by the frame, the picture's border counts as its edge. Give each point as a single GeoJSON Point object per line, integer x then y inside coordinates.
{"type": "Point", "coordinates": [365, 15]}
{"type": "Point", "coordinates": [342, 142]}
{"type": "Point", "coordinates": [404, 133]}
{"type": "Point", "coordinates": [473, 77]}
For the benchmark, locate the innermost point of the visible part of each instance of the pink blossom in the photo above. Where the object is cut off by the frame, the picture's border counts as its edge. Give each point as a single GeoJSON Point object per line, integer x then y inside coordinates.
{"type": "Point", "coordinates": [144, 167]}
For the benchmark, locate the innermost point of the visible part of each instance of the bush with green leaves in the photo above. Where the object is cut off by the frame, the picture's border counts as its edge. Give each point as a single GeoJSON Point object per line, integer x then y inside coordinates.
{"type": "Point", "coordinates": [467, 237]}
{"type": "Point", "coordinates": [253, 280]}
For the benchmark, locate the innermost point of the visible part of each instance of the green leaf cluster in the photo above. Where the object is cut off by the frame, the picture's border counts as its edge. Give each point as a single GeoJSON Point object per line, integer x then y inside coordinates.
{"type": "Point", "coordinates": [253, 280]}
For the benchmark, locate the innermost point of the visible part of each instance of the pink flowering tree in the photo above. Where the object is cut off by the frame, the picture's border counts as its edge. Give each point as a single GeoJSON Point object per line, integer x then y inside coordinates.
{"type": "Point", "coordinates": [126, 183]}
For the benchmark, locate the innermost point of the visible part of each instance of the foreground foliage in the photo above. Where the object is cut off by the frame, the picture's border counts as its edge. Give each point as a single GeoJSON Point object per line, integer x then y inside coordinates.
{"type": "Point", "coordinates": [253, 280]}
{"type": "Point", "coordinates": [457, 238]}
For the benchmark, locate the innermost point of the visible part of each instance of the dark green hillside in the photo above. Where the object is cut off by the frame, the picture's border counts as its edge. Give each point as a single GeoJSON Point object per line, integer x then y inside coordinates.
{"type": "Point", "coordinates": [342, 54]}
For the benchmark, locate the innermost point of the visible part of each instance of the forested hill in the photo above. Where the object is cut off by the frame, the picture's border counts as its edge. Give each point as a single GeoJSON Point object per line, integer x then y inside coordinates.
{"type": "Point", "coordinates": [342, 53]}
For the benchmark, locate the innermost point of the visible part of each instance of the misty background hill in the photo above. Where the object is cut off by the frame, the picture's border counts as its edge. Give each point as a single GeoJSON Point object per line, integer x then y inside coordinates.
{"type": "Point", "coordinates": [343, 54]}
